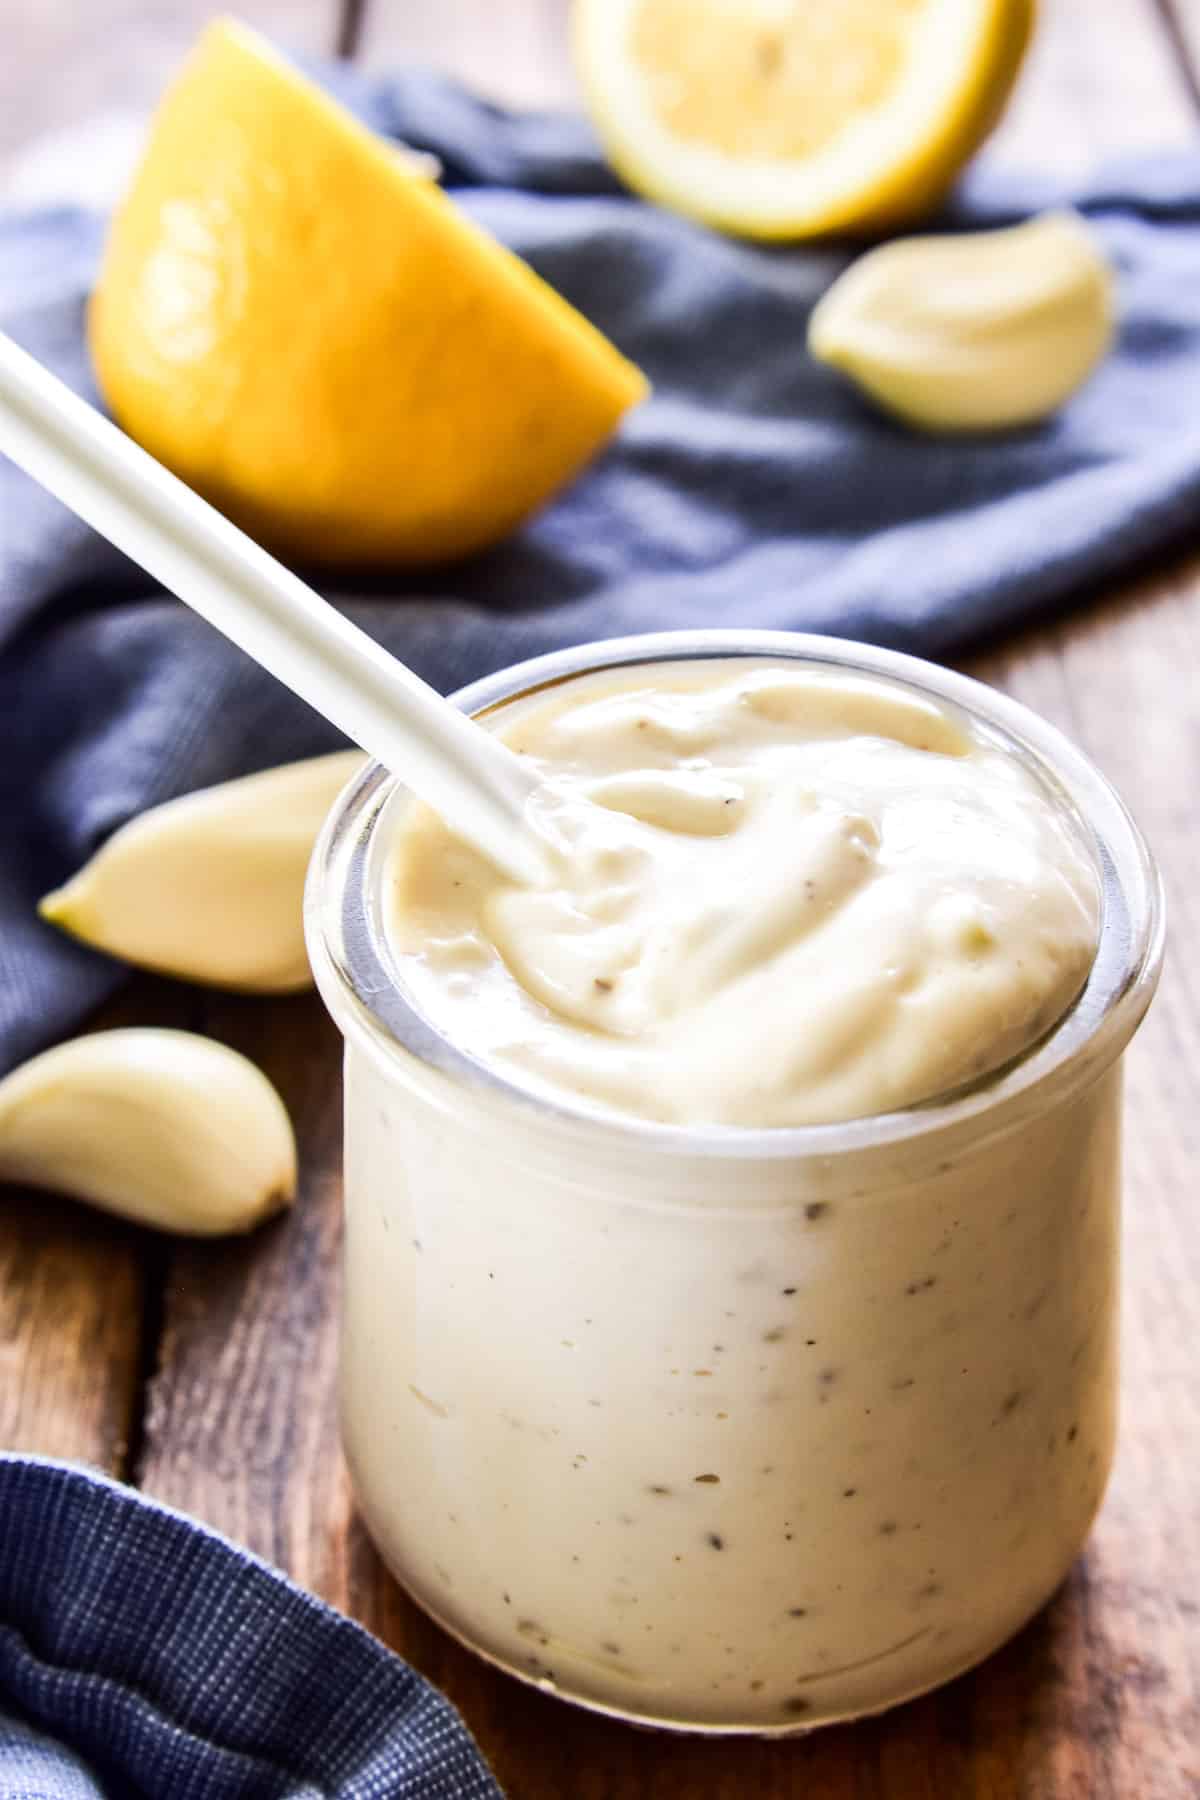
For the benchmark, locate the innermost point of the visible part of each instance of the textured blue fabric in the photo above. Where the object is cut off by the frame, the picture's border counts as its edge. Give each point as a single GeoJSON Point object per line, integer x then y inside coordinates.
{"type": "Point", "coordinates": [754, 488]}
{"type": "Point", "coordinates": [144, 1658]}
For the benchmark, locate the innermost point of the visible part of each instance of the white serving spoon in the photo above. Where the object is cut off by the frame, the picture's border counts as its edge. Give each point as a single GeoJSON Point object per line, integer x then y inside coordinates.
{"type": "Point", "coordinates": [477, 785]}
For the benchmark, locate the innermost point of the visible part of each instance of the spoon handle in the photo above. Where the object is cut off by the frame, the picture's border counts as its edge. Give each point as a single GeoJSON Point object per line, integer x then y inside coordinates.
{"type": "Point", "coordinates": [477, 785]}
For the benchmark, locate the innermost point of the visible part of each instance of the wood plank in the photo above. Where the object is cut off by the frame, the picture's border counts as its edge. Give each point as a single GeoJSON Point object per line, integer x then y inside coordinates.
{"type": "Point", "coordinates": [1182, 20]}
{"type": "Point", "coordinates": [241, 1424]}
{"type": "Point", "coordinates": [511, 50]}
{"type": "Point", "coordinates": [59, 73]}
{"type": "Point", "coordinates": [1109, 677]}
{"type": "Point", "coordinates": [71, 1298]}
{"type": "Point", "coordinates": [1102, 79]}
{"type": "Point", "coordinates": [76, 1291]}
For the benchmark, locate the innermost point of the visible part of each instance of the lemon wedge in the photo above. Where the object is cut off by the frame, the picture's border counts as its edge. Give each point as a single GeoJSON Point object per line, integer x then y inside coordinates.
{"type": "Point", "coordinates": [296, 319]}
{"type": "Point", "coordinates": [790, 118]}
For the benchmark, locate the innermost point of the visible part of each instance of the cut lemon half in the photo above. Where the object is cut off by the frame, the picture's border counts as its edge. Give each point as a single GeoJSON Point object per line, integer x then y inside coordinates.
{"type": "Point", "coordinates": [790, 118]}
{"type": "Point", "coordinates": [301, 324]}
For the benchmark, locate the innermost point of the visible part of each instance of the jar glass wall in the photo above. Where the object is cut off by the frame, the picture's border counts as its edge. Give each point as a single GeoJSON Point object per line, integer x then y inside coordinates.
{"type": "Point", "coordinates": [726, 1429]}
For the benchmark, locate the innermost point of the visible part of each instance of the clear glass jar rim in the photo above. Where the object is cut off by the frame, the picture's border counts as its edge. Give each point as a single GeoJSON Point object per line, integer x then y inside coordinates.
{"type": "Point", "coordinates": [360, 987]}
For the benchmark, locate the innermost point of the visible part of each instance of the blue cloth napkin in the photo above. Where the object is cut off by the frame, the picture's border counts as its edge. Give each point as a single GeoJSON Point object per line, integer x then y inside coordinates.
{"type": "Point", "coordinates": [143, 1657]}
{"type": "Point", "coordinates": [755, 488]}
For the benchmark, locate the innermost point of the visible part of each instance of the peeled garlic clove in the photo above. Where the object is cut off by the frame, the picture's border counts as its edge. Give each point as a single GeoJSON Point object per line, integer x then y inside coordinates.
{"type": "Point", "coordinates": [210, 887]}
{"type": "Point", "coordinates": [170, 1129]}
{"type": "Point", "coordinates": [975, 332]}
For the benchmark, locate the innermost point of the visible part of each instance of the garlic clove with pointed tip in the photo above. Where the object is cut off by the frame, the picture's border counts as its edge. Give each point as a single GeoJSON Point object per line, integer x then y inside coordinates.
{"type": "Point", "coordinates": [164, 1127]}
{"type": "Point", "coordinates": [981, 331]}
{"type": "Point", "coordinates": [210, 887]}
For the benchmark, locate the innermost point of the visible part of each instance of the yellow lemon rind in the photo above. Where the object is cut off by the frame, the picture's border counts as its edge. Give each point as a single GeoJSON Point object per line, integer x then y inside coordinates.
{"type": "Point", "coordinates": [900, 190]}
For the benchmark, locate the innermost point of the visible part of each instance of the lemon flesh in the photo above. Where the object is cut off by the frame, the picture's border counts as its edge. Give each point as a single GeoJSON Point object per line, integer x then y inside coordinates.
{"type": "Point", "coordinates": [300, 324]}
{"type": "Point", "coordinates": [776, 119]}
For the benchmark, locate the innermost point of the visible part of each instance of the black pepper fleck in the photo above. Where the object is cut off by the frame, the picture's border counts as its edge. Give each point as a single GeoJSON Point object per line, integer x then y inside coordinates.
{"type": "Point", "coordinates": [775, 1336]}
{"type": "Point", "coordinates": [788, 1292]}
{"type": "Point", "coordinates": [816, 1209]}
{"type": "Point", "coordinates": [710, 1480]}
{"type": "Point", "coordinates": [716, 1541]}
{"type": "Point", "coordinates": [602, 985]}
{"type": "Point", "coordinates": [797, 1704]}
{"type": "Point", "coordinates": [921, 1287]}
{"type": "Point", "coordinates": [849, 1493]}
{"type": "Point", "coordinates": [888, 1528]}
{"type": "Point", "coordinates": [656, 1488]}
{"type": "Point", "coordinates": [797, 1612]}
{"type": "Point", "coordinates": [1072, 1434]}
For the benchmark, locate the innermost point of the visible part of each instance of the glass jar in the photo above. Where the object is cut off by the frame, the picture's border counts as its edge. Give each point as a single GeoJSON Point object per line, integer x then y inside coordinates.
{"type": "Point", "coordinates": [722, 1429]}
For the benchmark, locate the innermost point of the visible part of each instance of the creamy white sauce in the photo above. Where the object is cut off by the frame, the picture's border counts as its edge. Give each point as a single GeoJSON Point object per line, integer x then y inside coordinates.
{"type": "Point", "coordinates": [778, 897]}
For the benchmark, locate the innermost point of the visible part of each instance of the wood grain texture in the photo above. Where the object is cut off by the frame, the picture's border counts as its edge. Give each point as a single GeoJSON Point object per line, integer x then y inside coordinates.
{"type": "Point", "coordinates": [71, 1296]}
{"type": "Point", "coordinates": [241, 1426]}
{"type": "Point", "coordinates": [76, 1290]}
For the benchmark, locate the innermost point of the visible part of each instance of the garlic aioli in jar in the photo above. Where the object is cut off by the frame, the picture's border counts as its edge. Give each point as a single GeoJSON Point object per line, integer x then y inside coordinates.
{"type": "Point", "coordinates": [781, 897]}
{"type": "Point", "coordinates": [695, 1433]}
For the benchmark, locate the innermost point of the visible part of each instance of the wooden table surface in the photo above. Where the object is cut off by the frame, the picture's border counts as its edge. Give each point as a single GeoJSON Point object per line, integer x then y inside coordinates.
{"type": "Point", "coordinates": [204, 1373]}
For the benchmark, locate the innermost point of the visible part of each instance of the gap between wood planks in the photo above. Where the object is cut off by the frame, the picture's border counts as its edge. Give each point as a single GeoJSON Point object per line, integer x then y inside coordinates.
{"type": "Point", "coordinates": [351, 18]}
{"type": "Point", "coordinates": [1181, 23]}
{"type": "Point", "coordinates": [156, 1257]}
